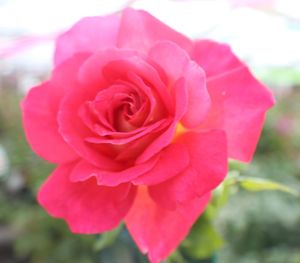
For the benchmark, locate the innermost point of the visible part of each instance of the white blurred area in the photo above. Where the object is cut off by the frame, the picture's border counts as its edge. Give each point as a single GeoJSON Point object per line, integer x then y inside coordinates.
{"type": "Point", "coordinates": [265, 33]}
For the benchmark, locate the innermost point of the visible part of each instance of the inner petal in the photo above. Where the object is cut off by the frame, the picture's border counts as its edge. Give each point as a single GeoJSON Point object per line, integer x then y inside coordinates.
{"type": "Point", "coordinates": [117, 113]}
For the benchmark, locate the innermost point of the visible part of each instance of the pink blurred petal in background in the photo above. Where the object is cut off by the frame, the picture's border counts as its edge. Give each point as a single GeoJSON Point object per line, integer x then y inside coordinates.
{"type": "Point", "coordinates": [21, 44]}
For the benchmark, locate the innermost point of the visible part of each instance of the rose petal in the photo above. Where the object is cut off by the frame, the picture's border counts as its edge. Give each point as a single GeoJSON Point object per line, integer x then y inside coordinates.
{"type": "Point", "coordinates": [98, 113]}
{"type": "Point", "coordinates": [215, 58]}
{"type": "Point", "coordinates": [155, 127]}
{"type": "Point", "coordinates": [140, 31]}
{"type": "Point", "coordinates": [155, 109]}
{"type": "Point", "coordinates": [158, 231]}
{"type": "Point", "coordinates": [121, 64]}
{"type": "Point", "coordinates": [171, 58]}
{"type": "Point", "coordinates": [73, 130]}
{"type": "Point", "coordinates": [40, 109]}
{"type": "Point", "coordinates": [199, 101]}
{"type": "Point", "coordinates": [207, 169]}
{"type": "Point", "coordinates": [84, 170]}
{"type": "Point", "coordinates": [239, 101]}
{"type": "Point", "coordinates": [124, 68]}
{"type": "Point", "coordinates": [137, 147]}
{"type": "Point", "coordinates": [180, 100]}
{"type": "Point", "coordinates": [177, 64]}
{"type": "Point", "coordinates": [88, 35]}
{"type": "Point", "coordinates": [65, 78]}
{"type": "Point", "coordinates": [91, 72]}
{"type": "Point", "coordinates": [39, 120]}
{"type": "Point", "coordinates": [87, 207]}
{"type": "Point", "coordinates": [71, 127]}
{"type": "Point", "coordinates": [172, 160]}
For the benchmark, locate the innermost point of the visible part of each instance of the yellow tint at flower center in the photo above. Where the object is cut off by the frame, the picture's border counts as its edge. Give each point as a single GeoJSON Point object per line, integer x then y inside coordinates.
{"type": "Point", "coordinates": [179, 130]}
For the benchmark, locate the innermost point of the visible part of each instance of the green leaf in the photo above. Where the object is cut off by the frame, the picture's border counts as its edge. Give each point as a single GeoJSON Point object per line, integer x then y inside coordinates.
{"type": "Point", "coordinates": [107, 239]}
{"type": "Point", "coordinates": [221, 195]}
{"type": "Point", "coordinates": [203, 240]}
{"type": "Point", "coordinates": [260, 184]}
{"type": "Point", "coordinates": [237, 166]}
{"type": "Point", "coordinates": [175, 257]}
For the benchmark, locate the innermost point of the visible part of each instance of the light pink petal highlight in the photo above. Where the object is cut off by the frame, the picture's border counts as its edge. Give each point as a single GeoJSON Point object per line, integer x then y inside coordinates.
{"type": "Point", "coordinates": [140, 31]}
{"type": "Point", "coordinates": [87, 36]}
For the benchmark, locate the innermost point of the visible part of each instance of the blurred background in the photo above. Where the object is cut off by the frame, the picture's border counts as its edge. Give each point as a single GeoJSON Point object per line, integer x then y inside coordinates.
{"type": "Point", "coordinates": [251, 226]}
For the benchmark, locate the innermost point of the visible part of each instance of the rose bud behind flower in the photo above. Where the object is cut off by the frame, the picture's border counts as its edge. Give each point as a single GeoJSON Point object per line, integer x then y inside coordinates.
{"type": "Point", "coordinates": [140, 121]}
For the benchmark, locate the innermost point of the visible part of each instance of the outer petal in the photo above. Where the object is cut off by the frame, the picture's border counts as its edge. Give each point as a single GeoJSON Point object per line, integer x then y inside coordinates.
{"type": "Point", "coordinates": [39, 119]}
{"type": "Point", "coordinates": [215, 58]}
{"type": "Point", "coordinates": [40, 109]}
{"type": "Point", "coordinates": [88, 35]}
{"type": "Point", "coordinates": [139, 30]}
{"type": "Point", "coordinates": [206, 170]}
{"type": "Point", "coordinates": [87, 207]}
{"type": "Point", "coordinates": [239, 101]}
{"type": "Point", "coordinates": [65, 78]}
{"type": "Point", "coordinates": [177, 64]}
{"type": "Point", "coordinates": [161, 230]}
{"type": "Point", "coordinates": [84, 170]}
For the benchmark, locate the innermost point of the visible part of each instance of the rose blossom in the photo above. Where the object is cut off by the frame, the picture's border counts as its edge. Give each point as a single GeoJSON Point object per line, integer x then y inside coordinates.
{"type": "Point", "coordinates": [141, 122]}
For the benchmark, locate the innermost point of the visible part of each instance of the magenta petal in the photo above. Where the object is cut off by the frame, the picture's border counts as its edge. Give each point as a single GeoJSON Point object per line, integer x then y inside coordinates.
{"type": "Point", "coordinates": [84, 170]}
{"type": "Point", "coordinates": [239, 101]}
{"type": "Point", "coordinates": [180, 100]}
{"type": "Point", "coordinates": [207, 169]}
{"type": "Point", "coordinates": [88, 35]}
{"type": "Point", "coordinates": [140, 132]}
{"type": "Point", "coordinates": [158, 231]}
{"type": "Point", "coordinates": [170, 57]}
{"type": "Point", "coordinates": [199, 101]}
{"type": "Point", "coordinates": [122, 64]}
{"type": "Point", "coordinates": [41, 128]}
{"type": "Point", "coordinates": [73, 130]}
{"type": "Point", "coordinates": [172, 160]}
{"type": "Point", "coordinates": [180, 96]}
{"type": "Point", "coordinates": [40, 109]}
{"type": "Point", "coordinates": [136, 65]}
{"type": "Point", "coordinates": [215, 58]}
{"type": "Point", "coordinates": [91, 71]}
{"type": "Point", "coordinates": [65, 78]}
{"type": "Point", "coordinates": [159, 143]}
{"type": "Point", "coordinates": [140, 31]}
{"type": "Point", "coordinates": [87, 207]}
{"type": "Point", "coordinates": [177, 64]}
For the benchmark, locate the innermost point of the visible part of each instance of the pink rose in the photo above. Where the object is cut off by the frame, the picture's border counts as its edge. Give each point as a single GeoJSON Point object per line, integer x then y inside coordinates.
{"type": "Point", "coordinates": [141, 122]}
